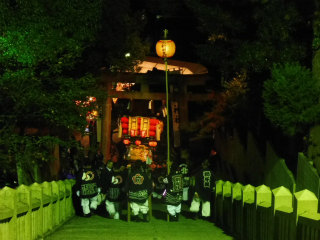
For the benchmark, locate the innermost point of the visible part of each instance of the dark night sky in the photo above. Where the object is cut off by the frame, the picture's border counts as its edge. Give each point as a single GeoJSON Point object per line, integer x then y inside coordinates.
{"type": "Point", "coordinates": [180, 23]}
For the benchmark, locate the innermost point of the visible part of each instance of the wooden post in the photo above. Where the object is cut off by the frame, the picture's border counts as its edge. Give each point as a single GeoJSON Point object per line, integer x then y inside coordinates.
{"type": "Point", "coordinates": [183, 105]}
{"type": "Point", "coordinates": [106, 126]}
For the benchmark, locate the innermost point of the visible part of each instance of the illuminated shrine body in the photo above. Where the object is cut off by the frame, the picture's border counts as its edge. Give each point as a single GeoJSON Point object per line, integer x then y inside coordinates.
{"type": "Point", "coordinates": [135, 111]}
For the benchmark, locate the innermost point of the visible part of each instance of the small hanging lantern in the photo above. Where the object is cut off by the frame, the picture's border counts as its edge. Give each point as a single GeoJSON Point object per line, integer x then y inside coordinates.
{"type": "Point", "coordinates": [126, 141]}
{"type": "Point", "coordinates": [165, 48]}
{"type": "Point", "coordinates": [153, 144]}
{"type": "Point", "coordinates": [137, 142]}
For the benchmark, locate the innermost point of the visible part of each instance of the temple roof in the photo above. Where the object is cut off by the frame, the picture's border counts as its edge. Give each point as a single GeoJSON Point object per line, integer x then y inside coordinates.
{"type": "Point", "coordinates": [184, 68]}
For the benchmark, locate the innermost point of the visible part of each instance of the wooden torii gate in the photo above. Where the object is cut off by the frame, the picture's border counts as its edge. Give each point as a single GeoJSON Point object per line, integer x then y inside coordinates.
{"type": "Point", "coordinates": [179, 96]}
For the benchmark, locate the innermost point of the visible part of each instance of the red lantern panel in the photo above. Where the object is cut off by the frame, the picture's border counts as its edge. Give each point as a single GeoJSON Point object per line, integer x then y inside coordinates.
{"type": "Point", "coordinates": [124, 125]}
{"type": "Point", "coordinates": [152, 128]}
{"type": "Point", "coordinates": [152, 133]}
{"type": "Point", "coordinates": [154, 121]}
{"type": "Point", "coordinates": [143, 133]}
{"type": "Point", "coordinates": [124, 120]}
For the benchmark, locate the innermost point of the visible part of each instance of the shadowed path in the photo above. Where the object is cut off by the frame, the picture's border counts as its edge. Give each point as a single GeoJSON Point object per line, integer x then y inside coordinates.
{"type": "Point", "coordinates": [98, 227]}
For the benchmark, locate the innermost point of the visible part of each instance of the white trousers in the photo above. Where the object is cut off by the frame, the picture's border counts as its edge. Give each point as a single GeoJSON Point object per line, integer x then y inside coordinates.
{"type": "Point", "coordinates": [113, 209]}
{"type": "Point", "coordinates": [185, 194]}
{"type": "Point", "coordinates": [139, 207]}
{"type": "Point", "coordinates": [195, 207]}
{"type": "Point", "coordinates": [173, 210]}
{"type": "Point", "coordinates": [89, 203]}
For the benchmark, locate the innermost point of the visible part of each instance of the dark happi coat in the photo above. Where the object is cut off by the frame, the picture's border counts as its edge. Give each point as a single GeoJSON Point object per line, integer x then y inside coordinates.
{"type": "Point", "coordinates": [87, 182]}
{"type": "Point", "coordinates": [204, 183]}
{"type": "Point", "coordinates": [174, 189]}
{"type": "Point", "coordinates": [139, 185]}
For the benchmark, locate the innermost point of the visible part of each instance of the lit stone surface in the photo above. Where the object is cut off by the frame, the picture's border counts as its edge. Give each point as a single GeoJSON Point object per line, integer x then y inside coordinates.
{"type": "Point", "coordinates": [226, 189]}
{"type": "Point", "coordinates": [305, 201]}
{"type": "Point", "coordinates": [282, 197]}
{"type": "Point", "coordinates": [263, 196]}
{"type": "Point", "coordinates": [248, 194]}
{"type": "Point", "coordinates": [237, 191]}
{"type": "Point", "coordinates": [98, 227]}
{"type": "Point", "coordinates": [219, 185]}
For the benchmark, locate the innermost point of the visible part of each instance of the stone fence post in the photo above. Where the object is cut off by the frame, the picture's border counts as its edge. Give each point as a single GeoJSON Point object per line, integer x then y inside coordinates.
{"type": "Point", "coordinates": [237, 210]}
{"type": "Point", "coordinates": [227, 206]}
{"type": "Point", "coordinates": [264, 217]}
{"type": "Point", "coordinates": [249, 213]}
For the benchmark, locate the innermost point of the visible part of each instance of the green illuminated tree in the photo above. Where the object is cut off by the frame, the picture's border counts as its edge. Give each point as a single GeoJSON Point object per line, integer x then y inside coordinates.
{"type": "Point", "coordinates": [291, 98]}
{"type": "Point", "coordinates": [40, 43]}
{"type": "Point", "coordinates": [252, 35]}
{"type": "Point", "coordinates": [50, 52]}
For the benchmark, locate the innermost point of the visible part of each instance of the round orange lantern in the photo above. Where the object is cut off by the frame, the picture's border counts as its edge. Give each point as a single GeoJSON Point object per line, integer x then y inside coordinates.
{"type": "Point", "coordinates": [165, 48]}
{"type": "Point", "coordinates": [137, 142]}
{"type": "Point", "coordinates": [126, 141]}
{"type": "Point", "coordinates": [153, 144]}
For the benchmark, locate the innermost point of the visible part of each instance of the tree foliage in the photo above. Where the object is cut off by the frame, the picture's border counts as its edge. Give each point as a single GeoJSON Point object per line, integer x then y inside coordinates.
{"type": "Point", "coordinates": [228, 102]}
{"type": "Point", "coordinates": [251, 34]}
{"type": "Point", "coordinates": [40, 44]}
{"type": "Point", "coordinates": [48, 61]}
{"type": "Point", "coordinates": [291, 98]}
{"type": "Point", "coordinates": [119, 35]}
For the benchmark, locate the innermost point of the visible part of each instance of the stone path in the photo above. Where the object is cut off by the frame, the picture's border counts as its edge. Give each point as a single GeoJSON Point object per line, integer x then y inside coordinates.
{"type": "Point", "coordinates": [98, 227]}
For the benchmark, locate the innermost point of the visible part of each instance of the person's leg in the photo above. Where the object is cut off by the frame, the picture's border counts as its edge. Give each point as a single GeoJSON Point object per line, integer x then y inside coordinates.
{"type": "Point", "coordinates": [135, 211]}
{"type": "Point", "coordinates": [85, 206]}
{"type": "Point", "coordinates": [185, 194]}
{"type": "Point", "coordinates": [206, 209]}
{"type": "Point", "coordinates": [144, 208]}
{"type": "Point", "coordinates": [178, 211]}
{"type": "Point", "coordinates": [195, 206]}
{"type": "Point", "coordinates": [172, 212]}
{"type": "Point", "coordinates": [110, 208]}
{"type": "Point", "coordinates": [94, 203]}
{"type": "Point", "coordinates": [117, 210]}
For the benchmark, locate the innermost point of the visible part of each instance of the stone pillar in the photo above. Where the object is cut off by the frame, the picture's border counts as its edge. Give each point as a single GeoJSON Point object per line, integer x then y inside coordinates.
{"type": "Point", "coordinates": [305, 201]}
{"type": "Point", "coordinates": [264, 213]}
{"type": "Point", "coordinates": [284, 222]}
{"type": "Point", "coordinates": [263, 196]}
{"type": "Point", "coordinates": [249, 213]}
{"type": "Point", "coordinates": [248, 194]}
{"type": "Point", "coordinates": [237, 191]}
{"type": "Point", "coordinates": [227, 206]}
{"type": "Point", "coordinates": [281, 199]}
{"type": "Point", "coordinates": [218, 208]}
{"type": "Point", "coordinates": [238, 210]}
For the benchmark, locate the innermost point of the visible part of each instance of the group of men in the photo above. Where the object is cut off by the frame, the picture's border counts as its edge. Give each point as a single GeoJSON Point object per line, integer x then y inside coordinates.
{"type": "Point", "coordinates": [113, 184]}
{"type": "Point", "coordinates": [201, 185]}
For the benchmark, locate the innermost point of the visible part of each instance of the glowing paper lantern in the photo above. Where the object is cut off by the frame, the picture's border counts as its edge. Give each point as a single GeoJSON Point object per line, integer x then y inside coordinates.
{"type": "Point", "coordinates": [153, 144]}
{"type": "Point", "coordinates": [165, 48]}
